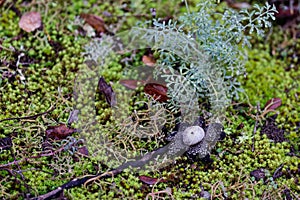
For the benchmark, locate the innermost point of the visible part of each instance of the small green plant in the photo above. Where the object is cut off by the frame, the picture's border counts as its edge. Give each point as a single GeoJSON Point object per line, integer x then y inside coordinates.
{"type": "Point", "coordinates": [200, 55]}
{"type": "Point", "coordinates": [211, 57]}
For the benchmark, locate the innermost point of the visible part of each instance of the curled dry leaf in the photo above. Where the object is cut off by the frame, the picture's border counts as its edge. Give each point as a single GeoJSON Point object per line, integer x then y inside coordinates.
{"type": "Point", "coordinates": [157, 91]}
{"type": "Point", "coordinates": [59, 132]}
{"type": "Point", "coordinates": [273, 103]}
{"type": "Point", "coordinates": [94, 21]}
{"type": "Point", "coordinates": [73, 117]}
{"type": "Point", "coordinates": [151, 181]}
{"type": "Point", "coordinates": [30, 21]}
{"type": "Point", "coordinates": [132, 84]}
{"type": "Point", "coordinates": [108, 92]}
{"type": "Point", "coordinates": [149, 60]}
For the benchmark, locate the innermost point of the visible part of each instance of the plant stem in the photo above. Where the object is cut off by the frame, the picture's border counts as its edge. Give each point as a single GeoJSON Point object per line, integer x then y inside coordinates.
{"type": "Point", "coordinates": [187, 6]}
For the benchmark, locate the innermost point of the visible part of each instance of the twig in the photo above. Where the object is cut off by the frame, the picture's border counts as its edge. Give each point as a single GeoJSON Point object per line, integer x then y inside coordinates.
{"type": "Point", "coordinates": [275, 175]}
{"type": "Point", "coordinates": [16, 162]}
{"type": "Point", "coordinates": [225, 195]}
{"type": "Point", "coordinates": [139, 162]}
{"type": "Point", "coordinates": [255, 126]}
{"type": "Point", "coordinates": [88, 179]}
{"type": "Point", "coordinates": [155, 195]}
{"type": "Point", "coordinates": [29, 117]}
{"type": "Point", "coordinates": [8, 49]}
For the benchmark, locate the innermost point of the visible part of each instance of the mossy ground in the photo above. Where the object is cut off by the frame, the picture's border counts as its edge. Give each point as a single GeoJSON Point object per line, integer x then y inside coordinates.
{"type": "Point", "coordinates": [43, 79]}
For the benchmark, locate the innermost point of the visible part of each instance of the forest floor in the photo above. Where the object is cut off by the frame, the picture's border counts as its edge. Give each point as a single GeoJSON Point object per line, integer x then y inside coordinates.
{"type": "Point", "coordinates": [42, 148]}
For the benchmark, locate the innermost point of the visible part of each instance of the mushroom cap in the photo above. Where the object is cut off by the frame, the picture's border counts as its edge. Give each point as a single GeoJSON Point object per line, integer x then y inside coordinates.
{"type": "Point", "coordinates": [192, 135]}
{"type": "Point", "coordinates": [208, 142]}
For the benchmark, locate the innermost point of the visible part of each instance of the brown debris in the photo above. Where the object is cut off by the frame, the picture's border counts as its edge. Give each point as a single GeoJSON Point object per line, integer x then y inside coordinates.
{"type": "Point", "coordinates": [59, 132]}
{"type": "Point", "coordinates": [151, 181]}
{"type": "Point", "coordinates": [149, 60]}
{"type": "Point", "coordinates": [94, 21]}
{"type": "Point", "coordinates": [157, 91]}
{"type": "Point", "coordinates": [108, 92]}
{"type": "Point", "coordinates": [272, 131]}
{"type": "Point", "coordinates": [272, 104]}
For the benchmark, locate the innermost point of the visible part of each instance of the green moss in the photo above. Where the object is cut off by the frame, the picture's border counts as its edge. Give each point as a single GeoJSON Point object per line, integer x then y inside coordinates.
{"type": "Point", "coordinates": [52, 58]}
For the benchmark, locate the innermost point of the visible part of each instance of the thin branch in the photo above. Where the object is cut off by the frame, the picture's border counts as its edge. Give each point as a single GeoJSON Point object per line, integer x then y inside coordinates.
{"type": "Point", "coordinates": [88, 179]}
{"type": "Point", "coordinates": [255, 126]}
{"type": "Point", "coordinates": [16, 162]}
{"type": "Point", "coordinates": [139, 162]}
{"type": "Point", "coordinates": [277, 171]}
{"type": "Point", "coordinates": [30, 117]}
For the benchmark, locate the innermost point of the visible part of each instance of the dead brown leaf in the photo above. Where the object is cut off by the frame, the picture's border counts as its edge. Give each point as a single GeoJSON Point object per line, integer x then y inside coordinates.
{"type": "Point", "coordinates": [151, 181]}
{"type": "Point", "coordinates": [272, 104]}
{"type": "Point", "coordinates": [95, 21]}
{"type": "Point", "coordinates": [30, 21]}
{"type": "Point", "coordinates": [157, 91]}
{"type": "Point", "coordinates": [59, 132]}
{"type": "Point", "coordinates": [149, 60]}
{"type": "Point", "coordinates": [108, 92]}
